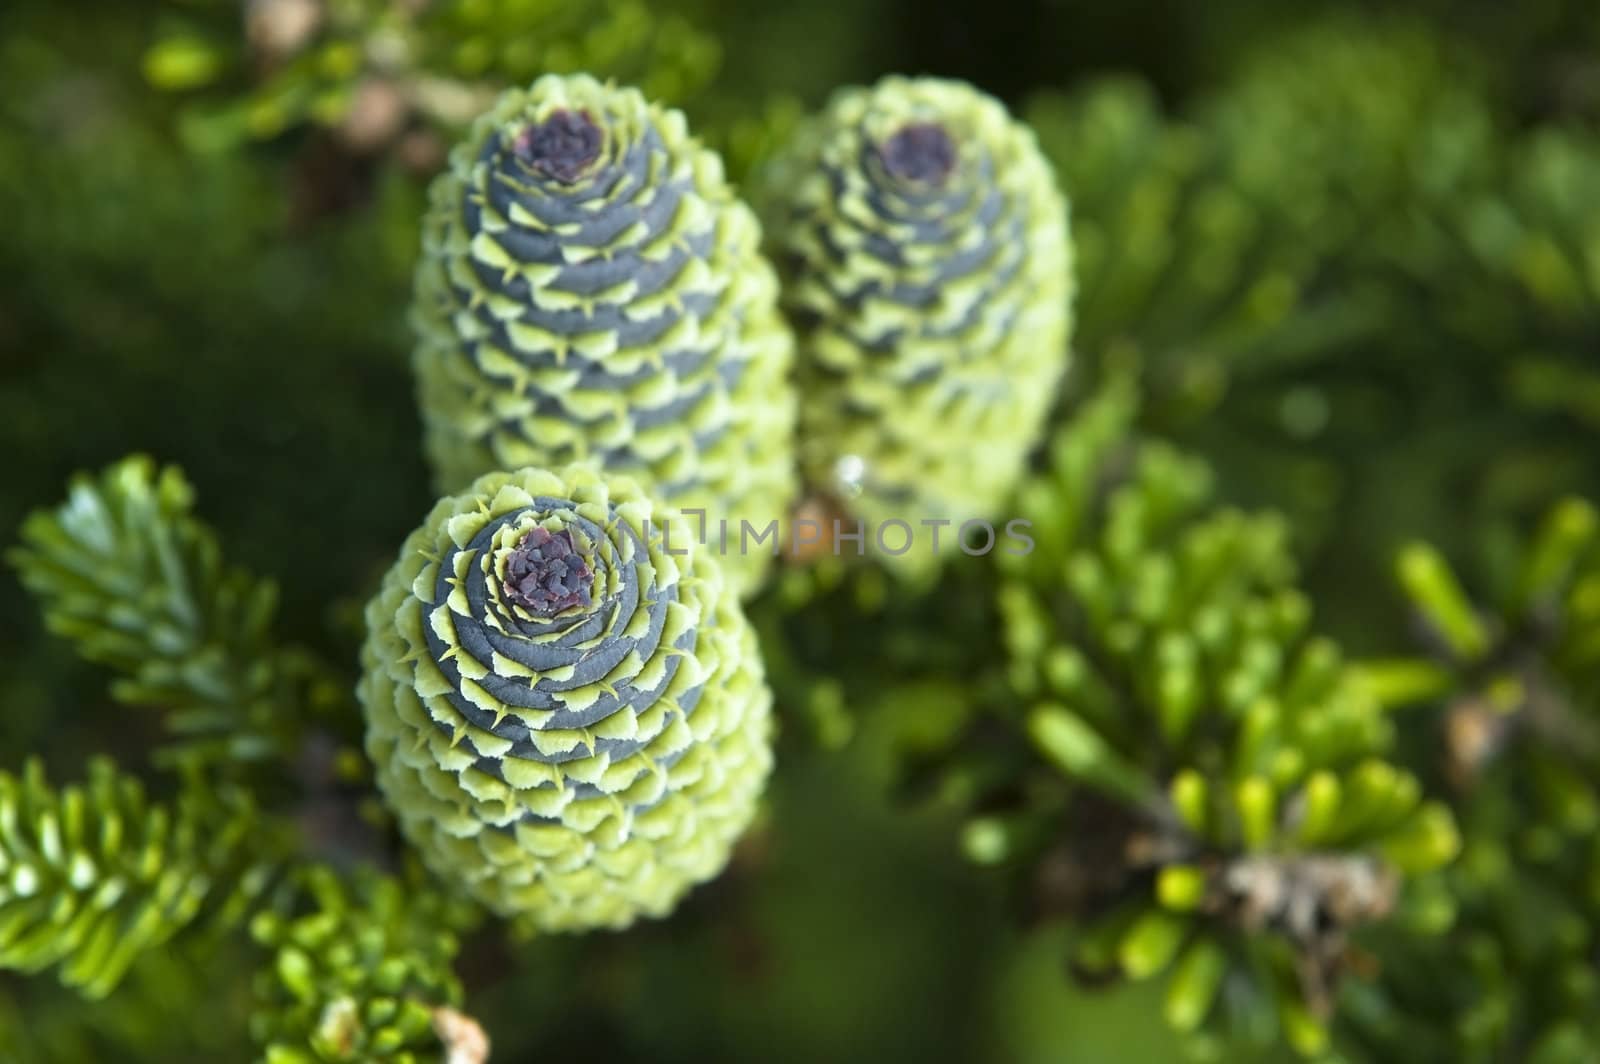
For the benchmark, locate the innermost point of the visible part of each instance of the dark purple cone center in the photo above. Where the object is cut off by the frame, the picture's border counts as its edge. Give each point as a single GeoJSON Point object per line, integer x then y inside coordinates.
{"type": "Point", "coordinates": [545, 573]}
{"type": "Point", "coordinates": [562, 146]}
{"type": "Point", "coordinates": [921, 151]}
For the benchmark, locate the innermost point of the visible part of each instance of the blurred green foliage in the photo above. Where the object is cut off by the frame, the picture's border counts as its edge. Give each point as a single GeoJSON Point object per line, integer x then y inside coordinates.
{"type": "Point", "coordinates": [1350, 252]}
{"type": "Point", "coordinates": [369, 68]}
{"type": "Point", "coordinates": [362, 975]}
{"type": "Point", "coordinates": [1510, 692]}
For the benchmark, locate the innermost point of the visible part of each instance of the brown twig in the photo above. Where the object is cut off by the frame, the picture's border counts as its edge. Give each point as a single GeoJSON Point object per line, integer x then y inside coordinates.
{"type": "Point", "coordinates": [464, 1039]}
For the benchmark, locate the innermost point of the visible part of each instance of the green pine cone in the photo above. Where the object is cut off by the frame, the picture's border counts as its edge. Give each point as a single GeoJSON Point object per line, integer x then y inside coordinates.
{"type": "Point", "coordinates": [590, 288]}
{"type": "Point", "coordinates": [565, 703]}
{"type": "Point", "coordinates": [928, 270]}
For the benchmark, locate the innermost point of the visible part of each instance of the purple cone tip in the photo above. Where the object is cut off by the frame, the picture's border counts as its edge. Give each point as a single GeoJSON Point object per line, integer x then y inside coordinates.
{"type": "Point", "coordinates": [545, 573]}
{"type": "Point", "coordinates": [561, 147]}
{"type": "Point", "coordinates": [920, 151]}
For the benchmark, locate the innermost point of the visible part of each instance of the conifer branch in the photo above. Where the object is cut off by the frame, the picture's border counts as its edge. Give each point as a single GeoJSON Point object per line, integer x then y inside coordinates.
{"type": "Point", "coordinates": [127, 574]}
{"type": "Point", "coordinates": [92, 875]}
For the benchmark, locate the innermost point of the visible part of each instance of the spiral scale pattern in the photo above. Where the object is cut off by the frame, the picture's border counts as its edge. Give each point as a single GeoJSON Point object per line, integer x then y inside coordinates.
{"type": "Point", "coordinates": [591, 289]}
{"type": "Point", "coordinates": [564, 702]}
{"type": "Point", "coordinates": [927, 269]}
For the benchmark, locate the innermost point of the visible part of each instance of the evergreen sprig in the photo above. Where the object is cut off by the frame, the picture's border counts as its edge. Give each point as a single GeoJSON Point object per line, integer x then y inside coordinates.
{"type": "Point", "coordinates": [124, 571]}
{"type": "Point", "coordinates": [93, 875]}
{"type": "Point", "coordinates": [1202, 780]}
